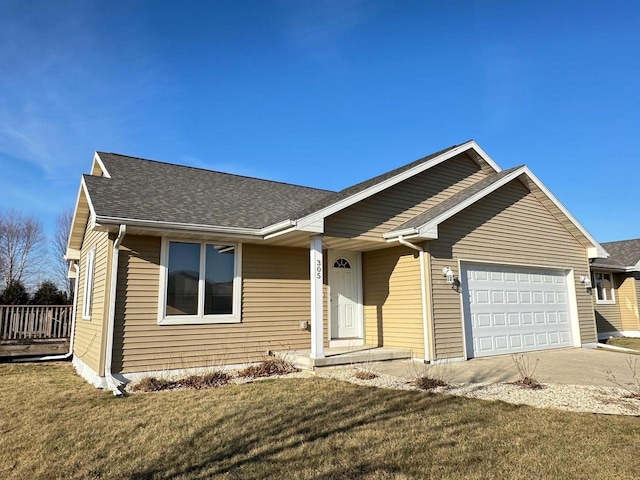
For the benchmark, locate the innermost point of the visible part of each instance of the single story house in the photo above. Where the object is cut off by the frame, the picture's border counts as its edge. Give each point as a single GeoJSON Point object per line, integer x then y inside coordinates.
{"type": "Point", "coordinates": [616, 286]}
{"type": "Point", "coordinates": [450, 257]}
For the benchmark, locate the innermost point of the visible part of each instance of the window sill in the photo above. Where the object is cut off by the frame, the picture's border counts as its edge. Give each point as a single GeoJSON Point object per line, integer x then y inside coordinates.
{"type": "Point", "coordinates": [196, 320]}
{"type": "Point", "coordinates": [605, 302]}
{"type": "Point", "coordinates": [86, 318]}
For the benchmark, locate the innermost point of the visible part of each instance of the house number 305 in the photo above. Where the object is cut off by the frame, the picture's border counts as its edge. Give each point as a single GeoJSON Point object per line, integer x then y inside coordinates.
{"type": "Point", "coordinates": [318, 269]}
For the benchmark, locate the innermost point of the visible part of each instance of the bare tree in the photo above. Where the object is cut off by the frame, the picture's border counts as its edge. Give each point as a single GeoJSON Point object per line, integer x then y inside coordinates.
{"type": "Point", "coordinates": [60, 240]}
{"type": "Point", "coordinates": [22, 247]}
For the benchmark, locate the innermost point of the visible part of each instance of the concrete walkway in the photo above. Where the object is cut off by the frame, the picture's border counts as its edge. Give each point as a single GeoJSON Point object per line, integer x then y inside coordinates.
{"type": "Point", "coordinates": [573, 366]}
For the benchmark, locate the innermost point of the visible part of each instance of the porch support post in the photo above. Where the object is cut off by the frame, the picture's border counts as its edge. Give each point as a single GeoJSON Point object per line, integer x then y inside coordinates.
{"type": "Point", "coordinates": [315, 277]}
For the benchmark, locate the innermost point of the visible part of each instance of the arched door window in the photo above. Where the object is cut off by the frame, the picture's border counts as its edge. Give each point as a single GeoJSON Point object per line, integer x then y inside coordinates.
{"type": "Point", "coordinates": [341, 263]}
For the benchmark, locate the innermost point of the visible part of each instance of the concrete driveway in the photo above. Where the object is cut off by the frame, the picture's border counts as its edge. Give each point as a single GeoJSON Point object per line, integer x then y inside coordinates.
{"type": "Point", "coordinates": [572, 366]}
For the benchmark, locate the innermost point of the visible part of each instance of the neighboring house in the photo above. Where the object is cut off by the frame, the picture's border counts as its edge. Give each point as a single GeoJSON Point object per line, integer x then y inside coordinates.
{"type": "Point", "coordinates": [616, 289]}
{"type": "Point", "coordinates": [449, 256]}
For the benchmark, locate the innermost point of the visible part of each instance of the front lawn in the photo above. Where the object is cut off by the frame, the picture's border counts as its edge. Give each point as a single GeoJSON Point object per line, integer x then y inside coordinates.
{"type": "Point", "coordinates": [626, 342]}
{"type": "Point", "coordinates": [54, 425]}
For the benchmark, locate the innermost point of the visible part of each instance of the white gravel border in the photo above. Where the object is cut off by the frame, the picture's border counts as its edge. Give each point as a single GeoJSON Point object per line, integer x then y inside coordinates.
{"type": "Point", "coordinates": [576, 398]}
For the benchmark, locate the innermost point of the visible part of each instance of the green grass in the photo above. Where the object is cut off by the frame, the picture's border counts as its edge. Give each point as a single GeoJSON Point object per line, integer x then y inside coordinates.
{"type": "Point", "coordinates": [54, 425]}
{"type": "Point", "coordinates": [626, 342]}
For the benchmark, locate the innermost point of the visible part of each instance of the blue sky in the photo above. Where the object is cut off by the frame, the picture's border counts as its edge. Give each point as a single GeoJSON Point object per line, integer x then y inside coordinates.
{"type": "Point", "coordinates": [322, 93]}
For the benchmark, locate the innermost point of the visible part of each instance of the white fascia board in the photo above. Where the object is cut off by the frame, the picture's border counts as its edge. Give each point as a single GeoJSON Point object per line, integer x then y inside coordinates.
{"type": "Point", "coordinates": [636, 267]}
{"type": "Point", "coordinates": [181, 227]}
{"type": "Point", "coordinates": [366, 193]}
{"type": "Point", "coordinates": [72, 254]}
{"type": "Point", "coordinates": [484, 155]}
{"type": "Point", "coordinates": [597, 251]}
{"type": "Point", "coordinates": [98, 160]}
{"type": "Point", "coordinates": [408, 233]}
{"type": "Point", "coordinates": [82, 190]}
{"type": "Point", "coordinates": [279, 232]}
{"type": "Point", "coordinates": [277, 227]}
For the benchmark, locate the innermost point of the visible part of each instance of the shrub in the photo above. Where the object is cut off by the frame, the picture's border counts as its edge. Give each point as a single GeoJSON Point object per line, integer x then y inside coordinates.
{"type": "Point", "coordinates": [364, 374]}
{"type": "Point", "coordinates": [428, 383]}
{"type": "Point", "coordinates": [14, 294]}
{"type": "Point", "coordinates": [268, 368]}
{"type": "Point", "coordinates": [526, 372]}
{"type": "Point", "coordinates": [633, 388]}
{"type": "Point", "coordinates": [208, 380]}
{"type": "Point", "coordinates": [49, 294]}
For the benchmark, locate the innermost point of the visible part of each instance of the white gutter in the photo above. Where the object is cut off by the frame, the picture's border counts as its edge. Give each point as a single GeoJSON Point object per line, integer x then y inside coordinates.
{"type": "Point", "coordinates": [192, 227]}
{"type": "Point", "coordinates": [73, 325]}
{"type": "Point", "coordinates": [112, 383]}
{"type": "Point", "coordinates": [423, 287]}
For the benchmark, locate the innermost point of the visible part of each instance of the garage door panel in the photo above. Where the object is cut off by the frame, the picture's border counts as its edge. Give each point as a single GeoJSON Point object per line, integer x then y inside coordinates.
{"type": "Point", "coordinates": [515, 309]}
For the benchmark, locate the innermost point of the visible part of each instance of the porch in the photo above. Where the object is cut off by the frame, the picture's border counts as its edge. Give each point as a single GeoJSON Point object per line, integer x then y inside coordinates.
{"type": "Point", "coordinates": [335, 356]}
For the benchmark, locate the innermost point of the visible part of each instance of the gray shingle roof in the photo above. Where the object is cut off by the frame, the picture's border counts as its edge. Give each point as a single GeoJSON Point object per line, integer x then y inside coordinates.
{"type": "Point", "coordinates": [150, 190]}
{"type": "Point", "coordinates": [623, 253]}
{"type": "Point", "coordinates": [447, 204]}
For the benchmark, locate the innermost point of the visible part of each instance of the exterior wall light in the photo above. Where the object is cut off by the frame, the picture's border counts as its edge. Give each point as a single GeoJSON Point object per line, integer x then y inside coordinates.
{"type": "Point", "coordinates": [586, 280]}
{"type": "Point", "coordinates": [446, 272]}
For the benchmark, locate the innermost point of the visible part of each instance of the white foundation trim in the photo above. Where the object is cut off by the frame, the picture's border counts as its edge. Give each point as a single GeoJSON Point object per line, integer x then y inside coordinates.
{"type": "Point", "coordinates": [89, 374]}
{"type": "Point", "coordinates": [620, 333]}
{"type": "Point", "coordinates": [177, 372]}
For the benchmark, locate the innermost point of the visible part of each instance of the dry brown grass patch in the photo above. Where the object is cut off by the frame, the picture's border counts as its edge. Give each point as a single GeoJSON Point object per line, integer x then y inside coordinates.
{"type": "Point", "coordinates": [53, 425]}
{"type": "Point", "coordinates": [194, 382]}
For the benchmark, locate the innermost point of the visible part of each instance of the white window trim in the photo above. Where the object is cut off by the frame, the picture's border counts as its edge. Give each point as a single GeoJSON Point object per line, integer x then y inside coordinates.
{"type": "Point", "coordinates": [200, 318]}
{"type": "Point", "coordinates": [611, 291]}
{"type": "Point", "coordinates": [89, 274]}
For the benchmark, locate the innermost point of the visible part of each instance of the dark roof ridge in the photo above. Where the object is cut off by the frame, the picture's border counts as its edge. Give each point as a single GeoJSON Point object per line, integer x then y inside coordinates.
{"type": "Point", "coordinates": [621, 241]}
{"type": "Point", "coordinates": [215, 171]}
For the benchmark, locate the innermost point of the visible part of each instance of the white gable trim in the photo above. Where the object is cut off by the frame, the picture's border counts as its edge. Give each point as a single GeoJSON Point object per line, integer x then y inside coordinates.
{"type": "Point", "coordinates": [429, 230]}
{"type": "Point", "coordinates": [98, 160]}
{"type": "Point", "coordinates": [313, 218]}
{"type": "Point", "coordinates": [82, 190]}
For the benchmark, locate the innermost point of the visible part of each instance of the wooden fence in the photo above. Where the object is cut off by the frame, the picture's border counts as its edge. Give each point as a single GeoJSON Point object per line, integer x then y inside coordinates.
{"type": "Point", "coordinates": [25, 322]}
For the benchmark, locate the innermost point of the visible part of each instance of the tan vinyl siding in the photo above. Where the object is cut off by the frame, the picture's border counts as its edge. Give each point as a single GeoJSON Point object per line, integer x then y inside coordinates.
{"type": "Point", "coordinates": [392, 299]}
{"type": "Point", "coordinates": [276, 298]}
{"type": "Point", "coordinates": [89, 334]}
{"type": "Point", "coordinates": [370, 218]}
{"type": "Point", "coordinates": [627, 298]}
{"type": "Point", "coordinates": [608, 315]}
{"type": "Point", "coordinates": [512, 226]}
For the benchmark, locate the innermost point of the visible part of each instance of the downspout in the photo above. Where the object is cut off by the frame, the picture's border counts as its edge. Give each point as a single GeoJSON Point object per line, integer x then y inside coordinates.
{"type": "Point", "coordinates": [65, 356]}
{"type": "Point", "coordinates": [423, 287]}
{"type": "Point", "coordinates": [112, 383]}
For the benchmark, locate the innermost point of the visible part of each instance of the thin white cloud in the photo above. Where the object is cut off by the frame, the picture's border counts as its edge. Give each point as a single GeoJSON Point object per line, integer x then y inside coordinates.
{"type": "Point", "coordinates": [316, 29]}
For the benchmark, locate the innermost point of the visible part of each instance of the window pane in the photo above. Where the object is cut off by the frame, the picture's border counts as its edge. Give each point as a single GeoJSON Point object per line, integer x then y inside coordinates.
{"type": "Point", "coordinates": [606, 286]}
{"type": "Point", "coordinates": [183, 277]}
{"type": "Point", "coordinates": [219, 275]}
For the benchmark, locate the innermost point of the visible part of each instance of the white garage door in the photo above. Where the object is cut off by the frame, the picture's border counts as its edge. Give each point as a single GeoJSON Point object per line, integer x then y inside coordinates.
{"type": "Point", "coordinates": [514, 309]}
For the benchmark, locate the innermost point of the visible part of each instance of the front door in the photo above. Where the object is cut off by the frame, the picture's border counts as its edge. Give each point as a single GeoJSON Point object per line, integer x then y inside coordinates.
{"type": "Point", "coordinates": [344, 282]}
